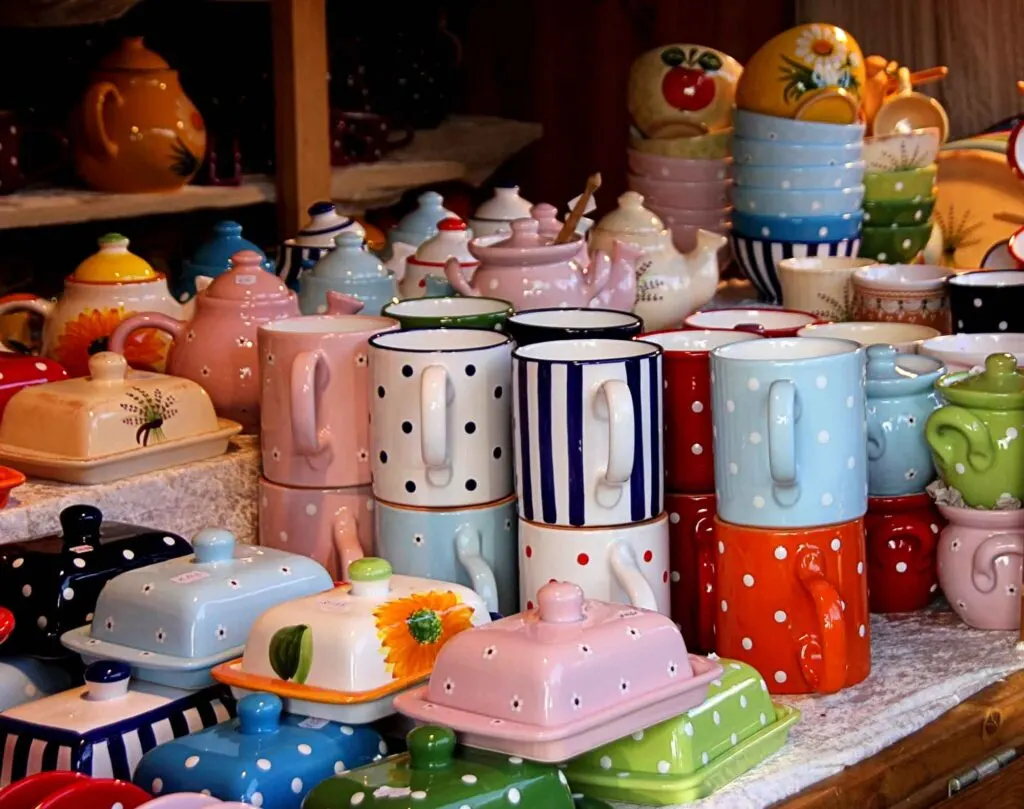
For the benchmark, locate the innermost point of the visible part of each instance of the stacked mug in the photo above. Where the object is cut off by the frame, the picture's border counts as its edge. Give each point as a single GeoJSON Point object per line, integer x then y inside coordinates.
{"type": "Point", "coordinates": [797, 192]}
{"type": "Point", "coordinates": [790, 465]}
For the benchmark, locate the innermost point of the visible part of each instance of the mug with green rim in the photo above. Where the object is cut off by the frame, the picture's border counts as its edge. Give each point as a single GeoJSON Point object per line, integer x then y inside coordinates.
{"type": "Point", "coordinates": [890, 214]}
{"type": "Point", "coordinates": [894, 245]}
{"type": "Point", "coordinates": [900, 186]}
{"type": "Point", "coordinates": [451, 312]}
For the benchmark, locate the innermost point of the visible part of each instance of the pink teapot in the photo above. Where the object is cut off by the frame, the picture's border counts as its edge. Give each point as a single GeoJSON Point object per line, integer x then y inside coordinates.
{"type": "Point", "coordinates": [531, 272]}
{"type": "Point", "coordinates": [217, 348]}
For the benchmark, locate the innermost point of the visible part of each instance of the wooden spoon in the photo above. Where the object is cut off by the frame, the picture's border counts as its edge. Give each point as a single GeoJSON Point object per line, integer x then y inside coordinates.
{"type": "Point", "coordinates": [571, 221]}
{"type": "Point", "coordinates": [919, 77]}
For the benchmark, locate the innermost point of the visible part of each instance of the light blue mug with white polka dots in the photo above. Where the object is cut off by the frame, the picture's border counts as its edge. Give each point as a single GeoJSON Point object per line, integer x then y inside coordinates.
{"type": "Point", "coordinates": [789, 432]}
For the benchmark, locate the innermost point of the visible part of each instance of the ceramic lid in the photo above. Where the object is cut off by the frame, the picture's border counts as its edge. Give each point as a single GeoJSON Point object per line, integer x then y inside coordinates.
{"type": "Point", "coordinates": [247, 282]}
{"type": "Point", "coordinates": [1000, 384]}
{"type": "Point", "coordinates": [451, 240]}
{"type": "Point", "coordinates": [113, 264]}
{"type": "Point", "coordinates": [132, 54]}
{"type": "Point", "coordinates": [225, 241]}
{"type": "Point", "coordinates": [631, 218]}
{"type": "Point", "coordinates": [54, 580]}
{"type": "Point", "coordinates": [547, 216]}
{"type": "Point", "coordinates": [349, 261]}
{"type": "Point", "coordinates": [113, 410]}
{"type": "Point", "coordinates": [504, 206]}
{"type": "Point", "coordinates": [324, 224]}
{"type": "Point", "coordinates": [526, 244]}
{"type": "Point", "coordinates": [436, 773]}
{"type": "Point", "coordinates": [421, 224]}
{"type": "Point", "coordinates": [890, 373]}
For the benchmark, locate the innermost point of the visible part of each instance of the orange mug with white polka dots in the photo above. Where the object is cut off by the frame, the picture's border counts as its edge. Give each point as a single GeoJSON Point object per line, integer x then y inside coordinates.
{"type": "Point", "coordinates": [793, 603]}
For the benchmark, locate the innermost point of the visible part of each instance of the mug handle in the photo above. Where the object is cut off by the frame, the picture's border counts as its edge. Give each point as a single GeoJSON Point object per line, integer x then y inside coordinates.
{"type": "Point", "coordinates": [951, 418]}
{"type": "Point", "coordinates": [95, 130]}
{"type": "Point", "coordinates": [622, 559]}
{"type": "Point", "coordinates": [994, 547]}
{"type": "Point", "coordinates": [829, 675]}
{"type": "Point", "coordinates": [312, 437]}
{"type": "Point", "coordinates": [345, 536]}
{"type": "Point", "coordinates": [876, 440]}
{"type": "Point", "coordinates": [704, 538]}
{"type": "Point", "coordinates": [39, 306]}
{"type": "Point", "coordinates": [470, 556]}
{"type": "Point", "coordinates": [145, 320]}
{"type": "Point", "coordinates": [619, 406]}
{"type": "Point", "coordinates": [434, 416]}
{"type": "Point", "coordinates": [782, 432]}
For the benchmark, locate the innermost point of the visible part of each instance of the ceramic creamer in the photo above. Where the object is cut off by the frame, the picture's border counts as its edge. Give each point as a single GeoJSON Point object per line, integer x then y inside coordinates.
{"type": "Point", "coordinates": [901, 539]}
{"type": "Point", "coordinates": [451, 241]}
{"type": "Point", "coordinates": [497, 214]}
{"type": "Point", "coordinates": [349, 269]}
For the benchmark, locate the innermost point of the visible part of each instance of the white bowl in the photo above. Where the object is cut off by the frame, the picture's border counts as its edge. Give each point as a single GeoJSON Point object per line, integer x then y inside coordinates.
{"type": "Point", "coordinates": [961, 352]}
{"type": "Point", "coordinates": [906, 337]}
{"type": "Point", "coordinates": [903, 277]}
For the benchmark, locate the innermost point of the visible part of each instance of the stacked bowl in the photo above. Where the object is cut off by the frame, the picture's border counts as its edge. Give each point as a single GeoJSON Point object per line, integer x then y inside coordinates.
{"type": "Point", "coordinates": [797, 192]}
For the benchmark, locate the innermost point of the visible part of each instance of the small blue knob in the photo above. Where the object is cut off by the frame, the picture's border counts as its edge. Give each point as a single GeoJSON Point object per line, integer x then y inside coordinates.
{"type": "Point", "coordinates": [107, 671]}
{"type": "Point", "coordinates": [213, 545]}
{"type": "Point", "coordinates": [227, 228]}
{"type": "Point", "coordinates": [259, 713]}
{"type": "Point", "coordinates": [318, 208]}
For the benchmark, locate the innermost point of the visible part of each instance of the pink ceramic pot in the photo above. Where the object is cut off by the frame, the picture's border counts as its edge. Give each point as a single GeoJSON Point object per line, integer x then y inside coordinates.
{"type": "Point", "coordinates": [705, 196]}
{"type": "Point", "coordinates": [331, 526]}
{"type": "Point", "coordinates": [980, 565]}
{"type": "Point", "coordinates": [716, 219]}
{"type": "Point", "coordinates": [315, 402]}
{"type": "Point", "coordinates": [677, 168]}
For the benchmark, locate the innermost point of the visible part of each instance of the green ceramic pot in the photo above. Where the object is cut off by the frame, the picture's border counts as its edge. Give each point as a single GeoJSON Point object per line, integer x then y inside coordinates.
{"type": "Point", "coordinates": [894, 245]}
{"type": "Point", "coordinates": [900, 186]}
{"type": "Point", "coordinates": [456, 312]}
{"type": "Point", "coordinates": [898, 214]}
{"type": "Point", "coordinates": [977, 440]}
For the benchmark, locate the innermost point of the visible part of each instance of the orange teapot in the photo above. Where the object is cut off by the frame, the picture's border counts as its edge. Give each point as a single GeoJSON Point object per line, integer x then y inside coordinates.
{"type": "Point", "coordinates": [136, 130]}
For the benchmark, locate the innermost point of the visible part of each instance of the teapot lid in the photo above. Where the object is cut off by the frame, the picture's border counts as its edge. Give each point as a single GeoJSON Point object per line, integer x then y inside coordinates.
{"type": "Point", "coordinates": [247, 281]}
{"type": "Point", "coordinates": [1001, 382]}
{"type": "Point", "coordinates": [525, 233]}
{"type": "Point", "coordinates": [504, 206]}
{"type": "Point", "coordinates": [113, 264]}
{"type": "Point", "coordinates": [451, 240]}
{"type": "Point", "coordinates": [132, 54]}
{"type": "Point", "coordinates": [890, 372]}
{"type": "Point", "coordinates": [324, 224]}
{"type": "Point", "coordinates": [424, 218]}
{"type": "Point", "coordinates": [547, 215]}
{"type": "Point", "coordinates": [631, 217]}
{"type": "Point", "coordinates": [226, 240]}
{"type": "Point", "coordinates": [349, 260]}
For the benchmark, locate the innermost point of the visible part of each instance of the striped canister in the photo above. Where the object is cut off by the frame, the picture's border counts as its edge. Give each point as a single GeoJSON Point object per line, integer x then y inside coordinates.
{"type": "Point", "coordinates": [588, 432]}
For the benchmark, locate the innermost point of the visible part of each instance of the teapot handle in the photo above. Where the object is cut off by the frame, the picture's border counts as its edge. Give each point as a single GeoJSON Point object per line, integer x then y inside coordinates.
{"type": "Point", "coordinates": [145, 320]}
{"type": "Point", "coordinates": [96, 137]}
{"type": "Point", "coordinates": [39, 306]}
{"type": "Point", "coordinates": [453, 272]}
{"type": "Point", "coordinates": [951, 418]}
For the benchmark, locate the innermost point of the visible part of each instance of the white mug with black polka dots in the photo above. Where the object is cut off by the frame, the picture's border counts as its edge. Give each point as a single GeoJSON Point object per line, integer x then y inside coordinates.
{"type": "Point", "coordinates": [441, 418]}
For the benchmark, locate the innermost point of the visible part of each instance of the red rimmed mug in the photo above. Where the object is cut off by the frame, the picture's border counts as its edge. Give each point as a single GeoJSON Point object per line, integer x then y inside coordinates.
{"type": "Point", "coordinates": [766, 322]}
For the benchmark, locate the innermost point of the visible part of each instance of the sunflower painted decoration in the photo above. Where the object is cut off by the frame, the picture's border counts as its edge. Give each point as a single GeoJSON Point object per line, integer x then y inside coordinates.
{"type": "Point", "coordinates": [813, 72]}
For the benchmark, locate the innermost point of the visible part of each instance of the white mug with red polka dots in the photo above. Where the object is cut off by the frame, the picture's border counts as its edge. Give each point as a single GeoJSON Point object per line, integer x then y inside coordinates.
{"type": "Point", "coordinates": [441, 421]}
{"type": "Point", "coordinates": [625, 564]}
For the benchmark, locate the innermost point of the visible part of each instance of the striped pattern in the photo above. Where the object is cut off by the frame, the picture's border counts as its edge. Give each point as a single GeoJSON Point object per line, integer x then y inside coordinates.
{"type": "Point", "coordinates": [757, 259]}
{"type": "Point", "coordinates": [110, 751]}
{"type": "Point", "coordinates": [294, 260]}
{"type": "Point", "coordinates": [561, 447]}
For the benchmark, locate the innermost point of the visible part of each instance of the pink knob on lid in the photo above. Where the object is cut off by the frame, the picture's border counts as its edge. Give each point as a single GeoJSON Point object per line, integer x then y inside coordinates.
{"type": "Point", "coordinates": [561, 602]}
{"type": "Point", "coordinates": [247, 259]}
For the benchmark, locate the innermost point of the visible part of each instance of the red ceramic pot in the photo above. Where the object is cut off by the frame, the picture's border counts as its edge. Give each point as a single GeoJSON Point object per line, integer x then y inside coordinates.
{"type": "Point", "coordinates": [18, 371]}
{"type": "Point", "coordinates": [902, 533]}
{"type": "Point", "coordinates": [691, 550]}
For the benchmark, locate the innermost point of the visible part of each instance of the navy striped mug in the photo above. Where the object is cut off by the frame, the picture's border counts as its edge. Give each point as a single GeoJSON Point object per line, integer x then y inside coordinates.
{"type": "Point", "coordinates": [587, 420]}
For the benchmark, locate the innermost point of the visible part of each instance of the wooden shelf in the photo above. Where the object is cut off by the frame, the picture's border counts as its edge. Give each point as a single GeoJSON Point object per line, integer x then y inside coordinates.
{"type": "Point", "coordinates": [468, 148]}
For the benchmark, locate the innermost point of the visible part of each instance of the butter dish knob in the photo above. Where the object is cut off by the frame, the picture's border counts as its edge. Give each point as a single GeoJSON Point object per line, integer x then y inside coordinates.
{"type": "Point", "coordinates": [213, 545]}
{"type": "Point", "coordinates": [370, 576]}
{"type": "Point", "coordinates": [107, 367]}
{"type": "Point", "coordinates": [107, 679]}
{"type": "Point", "coordinates": [561, 602]}
{"type": "Point", "coordinates": [431, 747]}
{"type": "Point", "coordinates": [259, 713]}
{"type": "Point", "coordinates": [80, 524]}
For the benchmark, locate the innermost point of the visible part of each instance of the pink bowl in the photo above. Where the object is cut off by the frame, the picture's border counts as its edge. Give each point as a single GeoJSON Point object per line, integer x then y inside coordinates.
{"type": "Point", "coordinates": [674, 194]}
{"type": "Point", "coordinates": [677, 168]}
{"type": "Point", "coordinates": [713, 219]}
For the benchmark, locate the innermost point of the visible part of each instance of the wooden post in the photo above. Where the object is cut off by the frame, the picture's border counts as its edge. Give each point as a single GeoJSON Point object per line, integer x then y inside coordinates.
{"type": "Point", "coordinates": [302, 117]}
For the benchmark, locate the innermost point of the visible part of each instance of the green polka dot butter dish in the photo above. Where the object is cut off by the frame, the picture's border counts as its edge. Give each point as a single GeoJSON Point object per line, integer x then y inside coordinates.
{"type": "Point", "coordinates": [262, 758]}
{"type": "Point", "coordinates": [438, 773]}
{"type": "Point", "coordinates": [559, 680]}
{"type": "Point", "coordinates": [51, 583]}
{"type": "Point", "coordinates": [692, 755]}
{"type": "Point", "coordinates": [343, 655]}
{"type": "Point", "coordinates": [173, 621]}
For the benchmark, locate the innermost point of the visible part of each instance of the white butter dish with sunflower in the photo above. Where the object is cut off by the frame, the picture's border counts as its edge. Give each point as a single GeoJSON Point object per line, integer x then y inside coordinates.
{"type": "Point", "coordinates": [343, 655]}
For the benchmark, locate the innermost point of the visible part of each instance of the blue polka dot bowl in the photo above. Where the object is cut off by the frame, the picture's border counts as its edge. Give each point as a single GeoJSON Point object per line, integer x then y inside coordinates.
{"type": "Point", "coordinates": [797, 178]}
{"type": "Point", "coordinates": [798, 228]}
{"type": "Point", "coordinates": [755, 126]}
{"type": "Point", "coordinates": [746, 151]}
{"type": "Point", "coordinates": [776, 202]}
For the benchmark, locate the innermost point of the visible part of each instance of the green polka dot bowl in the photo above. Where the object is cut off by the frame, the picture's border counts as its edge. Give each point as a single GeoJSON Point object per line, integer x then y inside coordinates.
{"type": "Point", "coordinates": [900, 186]}
{"type": "Point", "coordinates": [894, 245]}
{"type": "Point", "coordinates": [889, 214]}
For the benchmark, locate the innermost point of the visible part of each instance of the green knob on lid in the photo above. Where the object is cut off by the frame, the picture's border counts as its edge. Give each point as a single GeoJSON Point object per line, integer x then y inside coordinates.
{"type": "Point", "coordinates": [113, 239]}
{"type": "Point", "coordinates": [369, 568]}
{"type": "Point", "coordinates": [431, 747]}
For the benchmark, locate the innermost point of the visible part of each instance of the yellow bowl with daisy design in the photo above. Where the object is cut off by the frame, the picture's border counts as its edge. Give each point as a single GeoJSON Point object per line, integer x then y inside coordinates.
{"type": "Point", "coordinates": [814, 72]}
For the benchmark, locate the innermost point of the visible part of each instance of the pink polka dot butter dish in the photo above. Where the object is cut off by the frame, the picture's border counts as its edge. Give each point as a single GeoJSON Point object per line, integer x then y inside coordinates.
{"type": "Point", "coordinates": [262, 758]}
{"type": "Point", "coordinates": [50, 584]}
{"type": "Point", "coordinates": [173, 622]}
{"type": "Point", "coordinates": [438, 773]}
{"type": "Point", "coordinates": [104, 727]}
{"type": "Point", "coordinates": [554, 682]}
{"type": "Point", "coordinates": [343, 655]}
{"type": "Point", "coordinates": [694, 754]}
{"type": "Point", "coordinates": [112, 424]}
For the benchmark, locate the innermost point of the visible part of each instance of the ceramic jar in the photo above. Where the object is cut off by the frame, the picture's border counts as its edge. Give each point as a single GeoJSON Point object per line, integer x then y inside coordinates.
{"type": "Point", "coordinates": [901, 396]}
{"type": "Point", "coordinates": [902, 536]}
{"type": "Point", "coordinates": [105, 289]}
{"type": "Point", "coordinates": [421, 224]}
{"type": "Point", "coordinates": [976, 439]}
{"type": "Point", "coordinates": [136, 130]}
{"type": "Point", "coordinates": [298, 255]}
{"type": "Point", "coordinates": [217, 347]}
{"type": "Point", "coordinates": [902, 293]}
{"type": "Point", "coordinates": [350, 269]}
{"type": "Point", "coordinates": [980, 555]}
{"type": "Point", "coordinates": [497, 214]}
{"type": "Point", "coordinates": [450, 241]}
{"type": "Point", "coordinates": [213, 258]}
{"type": "Point", "coordinates": [822, 286]}
{"type": "Point", "coordinates": [990, 301]}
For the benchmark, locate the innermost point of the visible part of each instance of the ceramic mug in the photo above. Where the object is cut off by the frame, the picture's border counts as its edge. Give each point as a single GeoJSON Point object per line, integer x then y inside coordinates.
{"type": "Point", "coordinates": [450, 312]}
{"type": "Point", "coordinates": [962, 352]}
{"type": "Point", "coordinates": [790, 439]}
{"type": "Point", "coordinates": [691, 551]}
{"type": "Point", "coordinates": [314, 400]}
{"type": "Point", "coordinates": [821, 285]}
{"type": "Point", "coordinates": [980, 564]}
{"type": "Point", "coordinates": [587, 421]}
{"type": "Point", "coordinates": [902, 536]}
{"type": "Point", "coordinates": [767, 322]}
{"type": "Point", "coordinates": [989, 301]}
{"type": "Point", "coordinates": [689, 460]}
{"type": "Point", "coordinates": [625, 564]}
{"type": "Point", "coordinates": [542, 325]}
{"type": "Point", "coordinates": [441, 410]}
{"type": "Point", "coordinates": [902, 293]}
{"type": "Point", "coordinates": [905, 337]}
{"type": "Point", "coordinates": [475, 547]}
{"type": "Point", "coordinates": [794, 604]}
{"type": "Point", "coordinates": [331, 526]}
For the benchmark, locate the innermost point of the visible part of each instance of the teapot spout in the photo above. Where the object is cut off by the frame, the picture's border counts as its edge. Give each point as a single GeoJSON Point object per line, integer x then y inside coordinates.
{"type": "Point", "coordinates": [708, 244]}
{"type": "Point", "coordinates": [338, 304]}
{"type": "Point", "coordinates": [400, 251]}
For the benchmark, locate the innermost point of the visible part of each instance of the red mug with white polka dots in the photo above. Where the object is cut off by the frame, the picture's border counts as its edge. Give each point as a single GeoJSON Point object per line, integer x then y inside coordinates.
{"type": "Point", "coordinates": [691, 534]}
{"type": "Point", "coordinates": [902, 535]}
{"type": "Point", "coordinates": [689, 462]}
{"type": "Point", "coordinates": [793, 603]}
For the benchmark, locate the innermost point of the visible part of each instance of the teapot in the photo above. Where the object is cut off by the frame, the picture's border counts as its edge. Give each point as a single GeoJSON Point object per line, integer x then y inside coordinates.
{"type": "Point", "coordinates": [297, 255]}
{"type": "Point", "coordinates": [531, 272]}
{"type": "Point", "coordinates": [214, 257]}
{"type": "Point", "coordinates": [451, 240]}
{"type": "Point", "coordinates": [497, 214]}
{"type": "Point", "coordinates": [217, 347]}
{"type": "Point", "coordinates": [421, 224]}
{"type": "Point", "coordinates": [348, 269]}
{"type": "Point", "coordinates": [109, 286]}
{"type": "Point", "coordinates": [136, 130]}
{"type": "Point", "coordinates": [670, 285]}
